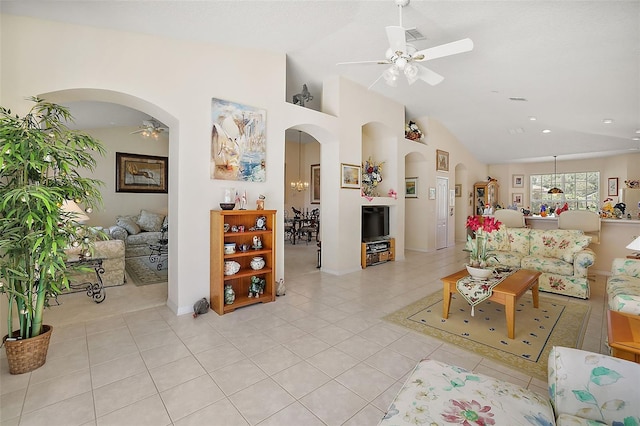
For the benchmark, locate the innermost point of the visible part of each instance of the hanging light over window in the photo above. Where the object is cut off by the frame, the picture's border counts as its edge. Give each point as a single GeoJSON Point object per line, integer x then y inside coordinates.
{"type": "Point", "coordinates": [299, 185]}
{"type": "Point", "coordinates": [555, 189]}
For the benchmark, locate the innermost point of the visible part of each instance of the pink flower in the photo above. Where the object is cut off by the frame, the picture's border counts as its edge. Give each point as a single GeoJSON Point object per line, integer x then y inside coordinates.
{"type": "Point", "coordinates": [468, 413]}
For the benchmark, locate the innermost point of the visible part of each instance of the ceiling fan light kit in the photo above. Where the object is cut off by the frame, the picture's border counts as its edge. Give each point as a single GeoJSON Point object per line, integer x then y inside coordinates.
{"type": "Point", "coordinates": [151, 128]}
{"type": "Point", "coordinates": [403, 57]}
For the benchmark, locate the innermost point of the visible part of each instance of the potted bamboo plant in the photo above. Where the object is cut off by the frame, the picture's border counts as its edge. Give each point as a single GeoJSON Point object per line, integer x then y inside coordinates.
{"type": "Point", "coordinates": [41, 162]}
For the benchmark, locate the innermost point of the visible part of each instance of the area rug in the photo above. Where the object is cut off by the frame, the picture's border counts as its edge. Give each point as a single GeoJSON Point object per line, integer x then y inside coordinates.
{"type": "Point", "coordinates": [554, 323]}
{"type": "Point", "coordinates": [142, 272]}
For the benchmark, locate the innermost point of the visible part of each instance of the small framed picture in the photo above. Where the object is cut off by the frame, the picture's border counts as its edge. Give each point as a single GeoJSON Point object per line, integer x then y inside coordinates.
{"type": "Point", "coordinates": [442, 161]}
{"type": "Point", "coordinates": [315, 184]}
{"type": "Point", "coordinates": [612, 187]}
{"type": "Point", "coordinates": [350, 176]}
{"type": "Point", "coordinates": [458, 190]}
{"type": "Point", "coordinates": [432, 193]}
{"type": "Point", "coordinates": [516, 198]}
{"type": "Point", "coordinates": [518, 181]}
{"type": "Point", "coordinates": [411, 187]}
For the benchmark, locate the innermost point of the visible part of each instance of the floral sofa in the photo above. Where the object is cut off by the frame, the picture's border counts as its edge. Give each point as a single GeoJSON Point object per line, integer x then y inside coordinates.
{"type": "Point", "coordinates": [585, 388]}
{"type": "Point", "coordinates": [138, 231]}
{"type": "Point", "coordinates": [561, 255]}
{"type": "Point", "coordinates": [623, 286]}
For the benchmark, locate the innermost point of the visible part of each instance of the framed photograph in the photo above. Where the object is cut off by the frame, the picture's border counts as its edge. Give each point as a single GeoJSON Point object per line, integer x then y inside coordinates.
{"type": "Point", "coordinates": [349, 176]}
{"type": "Point", "coordinates": [141, 173]}
{"type": "Point", "coordinates": [432, 193]}
{"type": "Point", "coordinates": [612, 187]}
{"type": "Point", "coordinates": [452, 197]}
{"type": "Point", "coordinates": [518, 181]}
{"type": "Point", "coordinates": [442, 161]}
{"type": "Point", "coordinates": [516, 198]}
{"type": "Point", "coordinates": [315, 184]}
{"type": "Point", "coordinates": [411, 187]}
{"type": "Point", "coordinates": [458, 190]}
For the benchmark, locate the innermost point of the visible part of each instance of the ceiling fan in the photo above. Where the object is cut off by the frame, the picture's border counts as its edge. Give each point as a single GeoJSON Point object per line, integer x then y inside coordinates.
{"type": "Point", "coordinates": [151, 128]}
{"type": "Point", "coordinates": [404, 57]}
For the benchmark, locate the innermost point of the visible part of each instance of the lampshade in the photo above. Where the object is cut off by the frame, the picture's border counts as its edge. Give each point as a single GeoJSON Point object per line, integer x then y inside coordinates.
{"type": "Point", "coordinates": [555, 189]}
{"type": "Point", "coordinates": [635, 244]}
{"type": "Point", "coordinates": [74, 212]}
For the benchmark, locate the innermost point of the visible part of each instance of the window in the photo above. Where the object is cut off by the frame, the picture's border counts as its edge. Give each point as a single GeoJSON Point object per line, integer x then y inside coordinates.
{"type": "Point", "coordinates": [581, 190]}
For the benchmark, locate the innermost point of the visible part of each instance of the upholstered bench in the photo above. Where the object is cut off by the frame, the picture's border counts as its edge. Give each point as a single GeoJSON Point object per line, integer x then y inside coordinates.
{"type": "Point", "coordinates": [585, 388]}
{"type": "Point", "coordinates": [623, 286]}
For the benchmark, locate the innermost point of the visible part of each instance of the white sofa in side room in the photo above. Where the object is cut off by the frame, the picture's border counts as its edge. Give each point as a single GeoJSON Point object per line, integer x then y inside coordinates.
{"type": "Point", "coordinates": [138, 231]}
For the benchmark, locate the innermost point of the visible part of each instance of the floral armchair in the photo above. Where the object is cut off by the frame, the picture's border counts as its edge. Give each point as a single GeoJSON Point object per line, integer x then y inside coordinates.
{"type": "Point", "coordinates": [585, 389]}
{"type": "Point", "coordinates": [623, 286]}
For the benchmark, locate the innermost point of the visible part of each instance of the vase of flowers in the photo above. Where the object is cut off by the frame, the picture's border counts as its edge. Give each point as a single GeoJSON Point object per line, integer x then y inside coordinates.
{"type": "Point", "coordinates": [413, 132]}
{"type": "Point", "coordinates": [371, 177]}
{"type": "Point", "coordinates": [477, 247]}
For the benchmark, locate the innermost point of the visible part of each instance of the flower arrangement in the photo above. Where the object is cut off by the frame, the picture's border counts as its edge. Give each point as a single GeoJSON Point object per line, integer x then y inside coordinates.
{"type": "Point", "coordinates": [478, 247]}
{"type": "Point", "coordinates": [413, 132]}
{"type": "Point", "coordinates": [371, 177]}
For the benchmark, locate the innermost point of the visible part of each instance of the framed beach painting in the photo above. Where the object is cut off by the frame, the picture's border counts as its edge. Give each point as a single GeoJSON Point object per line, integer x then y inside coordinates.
{"type": "Point", "coordinates": [349, 176]}
{"type": "Point", "coordinates": [238, 142]}
{"type": "Point", "coordinates": [141, 173]}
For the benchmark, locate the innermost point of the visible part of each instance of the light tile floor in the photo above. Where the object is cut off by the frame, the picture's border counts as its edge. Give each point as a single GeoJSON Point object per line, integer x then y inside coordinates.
{"type": "Point", "coordinates": [321, 355]}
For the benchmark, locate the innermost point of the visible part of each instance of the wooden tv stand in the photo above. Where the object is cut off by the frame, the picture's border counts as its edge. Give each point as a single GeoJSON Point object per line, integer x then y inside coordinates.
{"type": "Point", "coordinates": [378, 251]}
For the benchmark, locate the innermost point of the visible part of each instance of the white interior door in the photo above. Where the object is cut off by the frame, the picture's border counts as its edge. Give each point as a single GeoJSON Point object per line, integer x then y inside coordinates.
{"type": "Point", "coordinates": [442, 212]}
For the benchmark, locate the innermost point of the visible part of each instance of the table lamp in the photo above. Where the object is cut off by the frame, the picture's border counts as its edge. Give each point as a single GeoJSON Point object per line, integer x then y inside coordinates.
{"type": "Point", "coordinates": [74, 212]}
{"type": "Point", "coordinates": [635, 245]}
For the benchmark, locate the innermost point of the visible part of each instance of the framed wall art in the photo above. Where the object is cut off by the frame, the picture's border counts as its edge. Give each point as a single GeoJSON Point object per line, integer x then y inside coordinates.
{"type": "Point", "coordinates": [349, 176]}
{"type": "Point", "coordinates": [411, 187]}
{"type": "Point", "coordinates": [442, 161]}
{"type": "Point", "coordinates": [458, 189]}
{"type": "Point", "coordinates": [141, 173]}
{"type": "Point", "coordinates": [612, 186]}
{"type": "Point", "coordinates": [516, 198]}
{"type": "Point", "coordinates": [518, 181]}
{"type": "Point", "coordinates": [432, 193]}
{"type": "Point", "coordinates": [238, 141]}
{"type": "Point", "coordinates": [315, 184]}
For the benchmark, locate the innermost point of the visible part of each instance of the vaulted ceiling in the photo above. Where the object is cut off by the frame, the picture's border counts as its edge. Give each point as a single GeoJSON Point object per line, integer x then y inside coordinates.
{"type": "Point", "coordinates": [571, 65]}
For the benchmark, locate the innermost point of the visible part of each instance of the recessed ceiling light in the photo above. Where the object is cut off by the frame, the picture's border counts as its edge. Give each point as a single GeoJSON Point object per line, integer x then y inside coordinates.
{"type": "Point", "coordinates": [635, 139]}
{"type": "Point", "coordinates": [638, 131]}
{"type": "Point", "coordinates": [607, 120]}
{"type": "Point", "coordinates": [532, 118]}
{"type": "Point", "coordinates": [546, 131]}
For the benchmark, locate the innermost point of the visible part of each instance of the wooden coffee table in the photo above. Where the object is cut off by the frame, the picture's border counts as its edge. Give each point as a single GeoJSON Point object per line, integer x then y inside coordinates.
{"type": "Point", "coordinates": [624, 335]}
{"type": "Point", "coordinates": [506, 293]}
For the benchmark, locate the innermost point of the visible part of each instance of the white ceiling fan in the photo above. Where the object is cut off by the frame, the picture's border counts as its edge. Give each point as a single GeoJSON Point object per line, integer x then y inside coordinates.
{"type": "Point", "coordinates": [403, 57]}
{"type": "Point", "coordinates": [151, 128]}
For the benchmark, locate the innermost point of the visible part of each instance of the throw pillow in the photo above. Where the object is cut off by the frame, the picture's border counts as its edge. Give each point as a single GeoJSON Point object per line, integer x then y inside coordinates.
{"type": "Point", "coordinates": [149, 221]}
{"type": "Point", "coordinates": [129, 224]}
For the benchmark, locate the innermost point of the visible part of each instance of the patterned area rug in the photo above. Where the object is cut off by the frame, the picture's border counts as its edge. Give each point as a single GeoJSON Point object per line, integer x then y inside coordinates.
{"type": "Point", "coordinates": [142, 271]}
{"type": "Point", "coordinates": [554, 323]}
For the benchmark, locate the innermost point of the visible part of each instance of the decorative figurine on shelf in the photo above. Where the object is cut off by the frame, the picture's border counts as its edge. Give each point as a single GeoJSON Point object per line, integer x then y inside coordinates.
{"type": "Point", "coordinates": [260, 202]}
{"type": "Point", "coordinates": [229, 294]}
{"type": "Point", "coordinates": [257, 243]}
{"type": "Point", "coordinates": [261, 223]}
{"type": "Point", "coordinates": [256, 288]}
{"type": "Point", "coordinates": [301, 98]}
{"type": "Point", "coordinates": [413, 132]}
{"type": "Point", "coordinates": [243, 201]}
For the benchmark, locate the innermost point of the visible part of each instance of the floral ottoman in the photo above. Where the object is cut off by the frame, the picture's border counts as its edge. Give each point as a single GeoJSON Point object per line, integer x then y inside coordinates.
{"type": "Point", "coordinates": [437, 393]}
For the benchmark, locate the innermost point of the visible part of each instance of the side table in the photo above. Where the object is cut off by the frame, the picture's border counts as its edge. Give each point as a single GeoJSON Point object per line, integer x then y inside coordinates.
{"type": "Point", "coordinates": [624, 335]}
{"type": "Point", "coordinates": [94, 290]}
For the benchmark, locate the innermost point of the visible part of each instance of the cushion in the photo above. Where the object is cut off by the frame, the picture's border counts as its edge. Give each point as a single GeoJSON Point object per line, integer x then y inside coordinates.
{"type": "Point", "coordinates": [150, 221]}
{"type": "Point", "coordinates": [129, 224]}
{"type": "Point", "coordinates": [498, 240]}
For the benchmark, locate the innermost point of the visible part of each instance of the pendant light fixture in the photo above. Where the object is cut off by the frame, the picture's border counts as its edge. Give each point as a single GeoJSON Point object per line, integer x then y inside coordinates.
{"type": "Point", "coordinates": [555, 189]}
{"type": "Point", "coordinates": [299, 185]}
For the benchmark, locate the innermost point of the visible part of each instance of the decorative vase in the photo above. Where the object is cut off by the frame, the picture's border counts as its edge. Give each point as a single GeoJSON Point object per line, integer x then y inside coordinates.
{"type": "Point", "coordinates": [231, 267]}
{"type": "Point", "coordinates": [26, 355]}
{"type": "Point", "coordinates": [479, 273]}
{"type": "Point", "coordinates": [257, 263]}
{"type": "Point", "coordinates": [229, 294]}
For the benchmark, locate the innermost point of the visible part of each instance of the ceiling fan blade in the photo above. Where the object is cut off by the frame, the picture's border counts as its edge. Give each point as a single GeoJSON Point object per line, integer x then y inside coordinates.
{"type": "Point", "coordinates": [381, 61]}
{"type": "Point", "coordinates": [455, 47]}
{"type": "Point", "coordinates": [429, 76]}
{"type": "Point", "coordinates": [137, 131]}
{"type": "Point", "coordinates": [397, 40]}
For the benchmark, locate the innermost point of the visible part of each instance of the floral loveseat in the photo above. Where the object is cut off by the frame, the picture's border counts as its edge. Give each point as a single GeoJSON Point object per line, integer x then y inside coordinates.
{"type": "Point", "coordinates": [623, 286]}
{"type": "Point", "coordinates": [585, 388]}
{"type": "Point", "coordinates": [561, 255]}
{"type": "Point", "coordinates": [138, 231]}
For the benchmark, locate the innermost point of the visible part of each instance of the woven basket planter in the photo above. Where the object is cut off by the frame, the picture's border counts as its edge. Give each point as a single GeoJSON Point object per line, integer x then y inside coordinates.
{"type": "Point", "coordinates": [27, 354]}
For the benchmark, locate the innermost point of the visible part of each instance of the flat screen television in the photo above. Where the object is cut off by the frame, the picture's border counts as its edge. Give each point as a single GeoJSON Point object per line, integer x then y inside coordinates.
{"type": "Point", "coordinates": [375, 222]}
